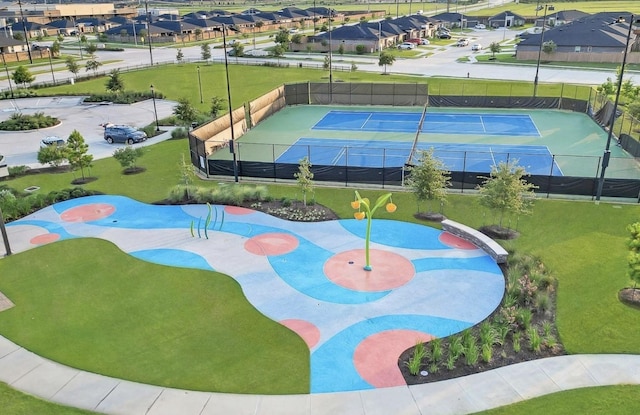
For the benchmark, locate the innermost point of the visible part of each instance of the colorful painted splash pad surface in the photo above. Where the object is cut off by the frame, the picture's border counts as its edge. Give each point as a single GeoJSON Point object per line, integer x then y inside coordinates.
{"type": "Point", "coordinates": [425, 283]}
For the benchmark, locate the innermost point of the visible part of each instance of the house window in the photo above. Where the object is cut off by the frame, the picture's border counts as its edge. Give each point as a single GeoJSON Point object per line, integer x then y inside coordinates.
{"type": "Point", "coordinates": [589, 48]}
{"type": "Point", "coordinates": [577, 49]}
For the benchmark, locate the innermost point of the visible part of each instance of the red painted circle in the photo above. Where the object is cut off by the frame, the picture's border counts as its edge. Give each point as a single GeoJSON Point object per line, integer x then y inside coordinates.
{"type": "Point", "coordinates": [376, 357]}
{"type": "Point", "coordinates": [389, 270]}
{"type": "Point", "coordinates": [237, 210]}
{"type": "Point", "coordinates": [44, 238]}
{"type": "Point", "coordinates": [88, 213]}
{"type": "Point", "coordinates": [455, 241]}
{"type": "Point", "coordinates": [308, 331]}
{"type": "Point", "coordinates": [271, 244]}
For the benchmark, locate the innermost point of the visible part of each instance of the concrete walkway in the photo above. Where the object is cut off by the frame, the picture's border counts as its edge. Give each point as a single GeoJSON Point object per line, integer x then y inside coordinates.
{"type": "Point", "coordinates": [48, 380]}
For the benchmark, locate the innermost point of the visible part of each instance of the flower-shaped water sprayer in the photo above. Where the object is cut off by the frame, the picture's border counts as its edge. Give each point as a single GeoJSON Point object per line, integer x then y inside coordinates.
{"type": "Point", "coordinates": [365, 210]}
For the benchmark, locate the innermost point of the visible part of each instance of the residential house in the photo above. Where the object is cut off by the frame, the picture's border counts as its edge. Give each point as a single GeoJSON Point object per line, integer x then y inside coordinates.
{"type": "Point", "coordinates": [506, 19]}
{"type": "Point", "coordinates": [601, 37]}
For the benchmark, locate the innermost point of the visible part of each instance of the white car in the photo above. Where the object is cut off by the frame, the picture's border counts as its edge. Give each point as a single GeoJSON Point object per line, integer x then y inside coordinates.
{"type": "Point", "coordinates": [476, 47]}
{"type": "Point", "coordinates": [463, 42]}
{"type": "Point", "coordinates": [406, 46]}
{"type": "Point", "coordinates": [52, 140]}
{"type": "Point", "coordinates": [424, 41]}
{"type": "Point", "coordinates": [480, 26]}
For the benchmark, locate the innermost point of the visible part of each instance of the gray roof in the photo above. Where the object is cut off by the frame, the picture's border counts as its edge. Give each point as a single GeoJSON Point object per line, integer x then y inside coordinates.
{"type": "Point", "coordinates": [598, 30]}
{"type": "Point", "coordinates": [360, 31]}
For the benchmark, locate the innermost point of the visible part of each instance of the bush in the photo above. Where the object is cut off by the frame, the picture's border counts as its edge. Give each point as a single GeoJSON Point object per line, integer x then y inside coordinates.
{"type": "Point", "coordinates": [129, 97]}
{"type": "Point", "coordinates": [23, 122]}
{"type": "Point", "coordinates": [179, 133]}
{"type": "Point", "coordinates": [360, 49]}
{"type": "Point", "coordinates": [16, 171]}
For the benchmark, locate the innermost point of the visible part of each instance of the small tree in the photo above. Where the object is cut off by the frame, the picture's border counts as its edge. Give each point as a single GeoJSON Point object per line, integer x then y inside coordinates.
{"type": "Point", "coordinates": [179, 56]}
{"type": "Point", "coordinates": [238, 49]}
{"type": "Point", "coordinates": [205, 51]}
{"type": "Point", "coordinates": [127, 157]}
{"type": "Point", "coordinates": [341, 49]}
{"type": "Point", "coordinates": [92, 65]}
{"type": "Point", "coordinates": [297, 38]}
{"type": "Point", "coordinates": [198, 33]}
{"type": "Point", "coordinates": [327, 62]}
{"type": "Point", "coordinates": [217, 105]}
{"type": "Point", "coordinates": [259, 25]}
{"type": "Point", "coordinates": [304, 177]}
{"type": "Point", "coordinates": [55, 48]}
{"type": "Point", "coordinates": [115, 84]}
{"type": "Point", "coordinates": [22, 76]}
{"type": "Point", "coordinates": [278, 52]}
{"type": "Point", "coordinates": [185, 112]}
{"type": "Point", "coordinates": [633, 259]}
{"type": "Point", "coordinates": [72, 65]}
{"type": "Point", "coordinates": [282, 37]}
{"type": "Point", "coordinates": [505, 191]}
{"type": "Point", "coordinates": [77, 153]}
{"type": "Point", "coordinates": [386, 59]}
{"type": "Point", "coordinates": [429, 179]}
{"type": "Point", "coordinates": [549, 47]}
{"type": "Point", "coordinates": [91, 48]}
{"type": "Point", "coordinates": [52, 155]}
{"type": "Point", "coordinates": [494, 48]}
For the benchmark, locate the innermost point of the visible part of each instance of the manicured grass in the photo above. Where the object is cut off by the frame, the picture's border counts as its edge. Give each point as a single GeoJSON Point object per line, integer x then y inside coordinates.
{"type": "Point", "coordinates": [123, 317]}
{"type": "Point", "coordinates": [13, 402]}
{"type": "Point", "coordinates": [608, 400]}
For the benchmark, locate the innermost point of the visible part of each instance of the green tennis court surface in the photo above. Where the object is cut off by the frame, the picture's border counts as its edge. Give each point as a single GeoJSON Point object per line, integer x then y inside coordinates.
{"type": "Point", "coordinates": [574, 142]}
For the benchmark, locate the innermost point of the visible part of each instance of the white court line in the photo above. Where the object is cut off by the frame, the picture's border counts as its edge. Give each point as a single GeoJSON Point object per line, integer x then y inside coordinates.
{"type": "Point", "coordinates": [335, 160]}
{"type": "Point", "coordinates": [367, 120]}
{"type": "Point", "coordinates": [482, 123]}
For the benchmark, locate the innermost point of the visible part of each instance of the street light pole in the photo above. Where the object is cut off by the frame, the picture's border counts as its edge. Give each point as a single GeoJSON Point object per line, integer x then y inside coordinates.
{"type": "Point", "coordinates": [146, 6]}
{"type": "Point", "coordinates": [155, 110]}
{"type": "Point", "coordinates": [232, 142]}
{"type": "Point", "coordinates": [544, 23]}
{"type": "Point", "coordinates": [379, 39]}
{"type": "Point", "coordinates": [199, 83]}
{"type": "Point", "coordinates": [24, 29]}
{"type": "Point", "coordinates": [607, 152]}
{"type": "Point", "coordinates": [4, 62]}
{"type": "Point", "coordinates": [51, 66]}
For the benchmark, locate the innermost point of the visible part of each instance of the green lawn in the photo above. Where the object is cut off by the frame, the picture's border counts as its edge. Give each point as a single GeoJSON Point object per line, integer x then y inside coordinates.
{"type": "Point", "coordinates": [581, 242]}
{"type": "Point", "coordinates": [123, 317]}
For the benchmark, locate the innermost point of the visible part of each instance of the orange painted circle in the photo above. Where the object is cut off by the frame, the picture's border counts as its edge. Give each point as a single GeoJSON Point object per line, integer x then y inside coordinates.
{"type": "Point", "coordinates": [88, 213]}
{"type": "Point", "coordinates": [389, 270]}
{"type": "Point", "coordinates": [376, 357]}
{"type": "Point", "coordinates": [271, 244]}
{"type": "Point", "coordinates": [455, 241]}
{"type": "Point", "coordinates": [237, 210]}
{"type": "Point", "coordinates": [44, 238]}
{"type": "Point", "coordinates": [308, 331]}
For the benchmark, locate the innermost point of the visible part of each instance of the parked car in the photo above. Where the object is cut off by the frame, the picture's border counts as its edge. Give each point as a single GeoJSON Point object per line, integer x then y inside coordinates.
{"type": "Point", "coordinates": [424, 41]}
{"type": "Point", "coordinates": [476, 47]}
{"type": "Point", "coordinates": [406, 46]}
{"type": "Point", "coordinates": [52, 140]}
{"type": "Point", "coordinates": [123, 134]}
{"type": "Point", "coordinates": [414, 41]}
{"type": "Point", "coordinates": [480, 26]}
{"type": "Point", "coordinates": [444, 35]}
{"type": "Point", "coordinates": [463, 42]}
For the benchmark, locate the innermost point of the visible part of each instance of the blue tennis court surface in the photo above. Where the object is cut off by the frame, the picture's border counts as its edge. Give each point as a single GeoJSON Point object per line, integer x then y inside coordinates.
{"type": "Point", "coordinates": [455, 156]}
{"type": "Point", "coordinates": [440, 123]}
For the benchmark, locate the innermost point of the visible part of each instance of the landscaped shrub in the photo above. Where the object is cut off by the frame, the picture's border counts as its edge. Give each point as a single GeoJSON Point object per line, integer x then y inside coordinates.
{"type": "Point", "coordinates": [16, 204]}
{"type": "Point", "coordinates": [17, 171]}
{"type": "Point", "coordinates": [24, 122]}
{"type": "Point", "coordinates": [127, 97]}
{"type": "Point", "coordinates": [179, 133]}
{"type": "Point", "coordinates": [360, 49]}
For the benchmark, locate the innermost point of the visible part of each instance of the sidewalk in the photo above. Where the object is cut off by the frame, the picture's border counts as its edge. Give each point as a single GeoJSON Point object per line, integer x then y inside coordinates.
{"type": "Point", "coordinates": [48, 380]}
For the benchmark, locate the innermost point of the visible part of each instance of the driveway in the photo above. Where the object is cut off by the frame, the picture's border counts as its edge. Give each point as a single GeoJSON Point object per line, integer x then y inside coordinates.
{"type": "Point", "coordinates": [21, 148]}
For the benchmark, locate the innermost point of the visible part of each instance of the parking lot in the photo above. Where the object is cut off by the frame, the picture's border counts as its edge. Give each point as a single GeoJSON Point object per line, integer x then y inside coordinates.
{"type": "Point", "coordinates": [21, 148]}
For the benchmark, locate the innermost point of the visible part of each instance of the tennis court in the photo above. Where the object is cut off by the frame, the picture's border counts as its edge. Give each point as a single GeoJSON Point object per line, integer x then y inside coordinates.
{"type": "Point", "coordinates": [545, 142]}
{"type": "Point", "coordinates": [456, 157]}
{"type": "Point", "coordinates": [409, 122]}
